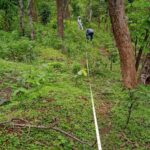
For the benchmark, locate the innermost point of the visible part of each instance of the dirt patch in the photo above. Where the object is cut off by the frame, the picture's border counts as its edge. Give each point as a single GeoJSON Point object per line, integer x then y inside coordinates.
{"type": "Point", "coordinates": [104, 109]}
{"type": "Point", "coordinates": [83, 98]}
{"type": "Point", "coordinates": [1, 81]}
{"type": "Point", "coordinates": [6, 93]}
{"type": "Point", "coordinates": [49, 100]}
{"type": "Point", "coordinates": [12, 130]}
{"type": "Point", "coordinates": [106, 129]}
{"type": "Point", "coordinates": [104, 52]}
{"type": "Point", "coordinates": [57, 108]}
{"type": "Point", "coordinates": [17, 131]}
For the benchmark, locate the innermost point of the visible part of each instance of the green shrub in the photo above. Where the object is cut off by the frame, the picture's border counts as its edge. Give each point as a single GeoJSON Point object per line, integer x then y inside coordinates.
{"type": "Point", "coordinates": [21, 50]}
{"type": "Point", "coordinates": [45, 13]}
{"type": "Point", "coordinates": [76, 68]}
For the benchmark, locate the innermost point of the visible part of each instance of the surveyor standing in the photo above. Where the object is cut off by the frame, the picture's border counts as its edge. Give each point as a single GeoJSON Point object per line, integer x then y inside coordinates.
{"type": "Point", "coordinates": [80, 26]}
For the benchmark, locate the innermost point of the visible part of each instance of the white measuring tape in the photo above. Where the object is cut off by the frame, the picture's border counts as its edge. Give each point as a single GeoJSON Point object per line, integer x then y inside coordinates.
{"type": "Point", "coordinates": [93, 108]}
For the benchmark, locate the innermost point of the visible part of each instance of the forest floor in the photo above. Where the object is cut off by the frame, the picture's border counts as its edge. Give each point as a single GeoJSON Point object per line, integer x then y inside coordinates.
{"type": "Point", "coordinates": [47, 92]}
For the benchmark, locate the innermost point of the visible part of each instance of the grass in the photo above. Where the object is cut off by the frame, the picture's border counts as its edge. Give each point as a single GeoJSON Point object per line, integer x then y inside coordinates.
{"type": "Point", "coordinates": [48, 90]}
{"type": "Point", "coordinates": [41, 102]}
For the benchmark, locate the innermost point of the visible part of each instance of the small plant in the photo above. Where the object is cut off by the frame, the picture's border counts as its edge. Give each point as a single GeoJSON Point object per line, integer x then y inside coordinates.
{"type": "Point", "coordinates": [76, 68]}
{"type": "Point", "coordinates": [32, 79]}
{"type": "Point", "coordinates": [80, 75]}
{"type": "Point", "coordinates": [57, 65]}
{"type": "Point", "coordinates": [113, 58]}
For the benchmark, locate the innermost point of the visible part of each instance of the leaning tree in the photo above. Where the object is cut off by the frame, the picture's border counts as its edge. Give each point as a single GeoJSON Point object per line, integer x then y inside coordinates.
{"type": "Point", "coordinates": [123, 42]}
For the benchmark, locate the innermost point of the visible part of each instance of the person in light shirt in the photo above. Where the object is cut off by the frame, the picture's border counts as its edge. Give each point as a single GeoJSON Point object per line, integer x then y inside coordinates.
{"type": "Point", "coordinates": [80, 26]}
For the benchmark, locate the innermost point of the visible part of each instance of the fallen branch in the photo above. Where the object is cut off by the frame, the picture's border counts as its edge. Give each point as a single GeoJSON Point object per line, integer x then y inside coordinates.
{"type": "Point", "coordinates": [125, 138]}
{"type": "Point", "coordinates": [52, 126]}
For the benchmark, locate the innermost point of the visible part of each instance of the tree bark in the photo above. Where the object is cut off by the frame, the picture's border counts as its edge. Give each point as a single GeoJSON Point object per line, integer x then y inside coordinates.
{"type": "Point", "coordinates": [32, 34]}
{"type": "Point", "coordinates": [34, 10]}
{"type": "Point", "coordinates": [138, 58]}
{"type": "Point", "coordinates": [66, 11]}
{"type": "Point", "coordinates": [59, 4]}
{"type": "Point", "coordinates": [145, 73]}
{"type": "Point", "coordinates": [123, 42]}
{"type": "Point", "coordinates": [89, 11]}
{"type": "Point", "coordinates": [99, 22]}
{"type": "Point", "coordinates": [21, 17]}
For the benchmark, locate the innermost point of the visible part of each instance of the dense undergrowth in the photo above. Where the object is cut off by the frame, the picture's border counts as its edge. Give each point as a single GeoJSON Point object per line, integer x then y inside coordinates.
{"type": "Point", "coordinates": [45, 81]}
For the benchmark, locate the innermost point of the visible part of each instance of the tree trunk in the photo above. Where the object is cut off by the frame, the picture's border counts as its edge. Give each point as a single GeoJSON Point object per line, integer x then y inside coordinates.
{"type": "Point", "coordinates": [21, 16]}
{"type": "Point", "coordinates": [30, 19]}
{"type": "Point", "coordinates": [34, 10]}
{"type": "Point", "coordinates": [99, 21]}
{"type": "Point", "coordinates": [135, 45]}
{"type": "Point", "coordinates": [66, 14]}
{"type": "Point", "coordinates": [123, 42]}
{"type": "Point", "coordinates": [59, 4]}
{"type": "Point", "coordinates": [90, 11]}
{"type": "Point", "coordinates": [138, 58]}
{"type": "Point", "coordinates": [145, 73]}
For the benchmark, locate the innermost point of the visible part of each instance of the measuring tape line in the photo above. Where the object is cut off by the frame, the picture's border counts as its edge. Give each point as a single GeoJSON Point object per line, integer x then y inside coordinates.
{"type": "Point", "coordinates": [93, 108]}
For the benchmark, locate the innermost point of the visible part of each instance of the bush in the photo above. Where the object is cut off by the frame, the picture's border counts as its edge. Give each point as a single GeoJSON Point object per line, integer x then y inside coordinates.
{"type": "Point", "coordinates": [76, 68]}
{"type": "Point", "coordinates": [21, 50]}
{"type": "Point", "coordinates": [45, 13]}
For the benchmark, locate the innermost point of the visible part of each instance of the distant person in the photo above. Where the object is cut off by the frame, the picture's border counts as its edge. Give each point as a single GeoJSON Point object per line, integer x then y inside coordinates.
{"type": "Point", "coordinates": [80, 26]}
{"type": "Point", "coordinates": [89, 34]}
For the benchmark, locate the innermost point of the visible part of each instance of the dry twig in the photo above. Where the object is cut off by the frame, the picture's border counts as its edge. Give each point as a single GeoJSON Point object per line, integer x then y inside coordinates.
{"type": "Point", "coordinates": [52, 126]}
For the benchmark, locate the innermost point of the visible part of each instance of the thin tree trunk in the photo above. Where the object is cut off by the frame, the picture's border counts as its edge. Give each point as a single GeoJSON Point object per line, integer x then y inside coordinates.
{"type": "Point", "coordinates": [99, 22]}
{"type": "Point", "coordinates": [135, 44]}
{"type": "Point", "coordinates": [138, 58]}
{"type": "Point", "coordinates": [59, 4]}
{"type": "Point", "coordinates": [66, 14]}
{"type": "Point", "coordinates": [145, 72]}
{"type": "Point", "coordinates": [90, 11]}
{"type": "Point", "coordinates": [21, 17]}
{"type": "Point", "coordinates": [30, 19]}
{"type": "Point", "coordinates": [91, 14]}
{"type": "Point", "coordinates": [34, 10]}
{"type": "Point", "coordinates": [123, 42]}
{"type": "Point", "coordinates": [130, 108]}
{"type": "Point", "coordinates": [106, 20]}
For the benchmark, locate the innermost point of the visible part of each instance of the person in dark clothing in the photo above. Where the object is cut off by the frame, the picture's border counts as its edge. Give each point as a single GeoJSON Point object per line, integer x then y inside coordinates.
{"type": "Point", "coordinates": [89, 34]}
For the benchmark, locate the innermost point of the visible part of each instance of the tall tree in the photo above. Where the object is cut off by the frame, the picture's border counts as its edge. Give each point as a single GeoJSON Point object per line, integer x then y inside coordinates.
{"type": "Point", "coordinates": [21, 16]}
{"type": "Point", "coordinates": [30, 19]}
{"type": "Point", "coordinates": [123, 42]}
{"type": "Point", "coordinates": [59, 4]}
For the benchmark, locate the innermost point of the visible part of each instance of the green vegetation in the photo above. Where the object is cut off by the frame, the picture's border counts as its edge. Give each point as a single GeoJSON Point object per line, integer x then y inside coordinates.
{"type": "Point", "coordinates": [44, 81]}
